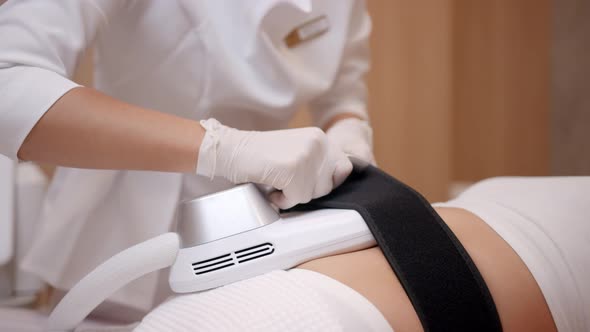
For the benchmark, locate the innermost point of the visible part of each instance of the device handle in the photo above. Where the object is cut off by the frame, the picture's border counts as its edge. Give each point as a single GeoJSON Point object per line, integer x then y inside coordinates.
{"type": "Point", "coordinates": [124, 267]}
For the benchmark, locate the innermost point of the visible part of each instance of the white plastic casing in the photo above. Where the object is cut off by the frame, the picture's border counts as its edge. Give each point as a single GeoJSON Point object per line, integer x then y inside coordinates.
{"type": "Point", "coordinates": [283, 244]}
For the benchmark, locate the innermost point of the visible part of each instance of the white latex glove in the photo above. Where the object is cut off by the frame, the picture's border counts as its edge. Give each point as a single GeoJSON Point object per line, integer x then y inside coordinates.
{"type": "Point", "coordinates": [302, 163]}
{"type": "Point", "coordinates": [354, 137]}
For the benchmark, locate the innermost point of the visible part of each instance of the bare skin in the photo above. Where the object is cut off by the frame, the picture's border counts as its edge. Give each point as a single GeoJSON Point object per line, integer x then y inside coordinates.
{"type": "Point", "coordinates": [88, 129]}
{"type": "Point", "coordinates": [520, 303]}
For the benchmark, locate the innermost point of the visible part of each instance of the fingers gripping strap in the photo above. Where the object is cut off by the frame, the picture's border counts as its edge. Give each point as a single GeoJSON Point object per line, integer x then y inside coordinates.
{"type": "Point", "coordinates": [442, 282]}
{"type": "Point", "coordinates": [119, 270]}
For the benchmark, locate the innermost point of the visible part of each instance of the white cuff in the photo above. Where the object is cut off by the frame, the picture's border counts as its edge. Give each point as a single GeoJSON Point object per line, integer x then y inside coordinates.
{"type": "Point", "coordinates": [207, 162]}
{"type": "Point", "coordinates": [27, 93]}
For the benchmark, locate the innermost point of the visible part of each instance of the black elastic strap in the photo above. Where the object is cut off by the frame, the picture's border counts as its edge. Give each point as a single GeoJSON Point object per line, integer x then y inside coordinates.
{"type": "Point", "coordinates": [444, 285]}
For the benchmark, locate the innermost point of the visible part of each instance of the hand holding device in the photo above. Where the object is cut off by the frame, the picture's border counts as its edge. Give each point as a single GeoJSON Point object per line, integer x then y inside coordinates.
{"type": "Point", "coordinates": [302, 163]}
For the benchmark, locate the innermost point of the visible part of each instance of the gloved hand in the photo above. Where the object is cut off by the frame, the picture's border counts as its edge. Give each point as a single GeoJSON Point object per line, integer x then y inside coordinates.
{"type": "Point", "coordinates": [354, 137]}
{"type": "Point", "coordinates": [302, 163]}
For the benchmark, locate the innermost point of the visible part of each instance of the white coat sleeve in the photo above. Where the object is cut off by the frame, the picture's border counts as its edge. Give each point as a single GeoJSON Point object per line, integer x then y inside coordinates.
{"type": "Point", "coordinates": [349, 92]}
{"type": "Point", "coordinates": [40, 45]}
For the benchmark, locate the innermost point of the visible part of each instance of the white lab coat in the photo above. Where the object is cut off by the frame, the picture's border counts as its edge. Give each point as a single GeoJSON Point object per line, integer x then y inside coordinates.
{"type": "Point", "coordinates": [225, 59]}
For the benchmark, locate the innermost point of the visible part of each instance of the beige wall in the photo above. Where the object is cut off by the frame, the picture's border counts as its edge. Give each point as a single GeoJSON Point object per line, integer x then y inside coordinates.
{"type": "Point", "coordinates": [570, 135]}
{"type": "Point", "coordinates": [410, 91]}
{"type": "Point", "coordinates": [501, 88]}
{"type": "Point", "coordinates": [460, 89]}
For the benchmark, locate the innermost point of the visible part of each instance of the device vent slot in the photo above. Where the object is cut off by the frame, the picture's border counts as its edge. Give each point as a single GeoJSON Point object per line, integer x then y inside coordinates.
{"type": "Point", "coordinates": [254, 252]}
{"type": "Point", "coordinates": [211, 259]}
{"type": "Point", "coordinates": [213, 264]}
{"type": "Point", "coordinates": [197, 272]}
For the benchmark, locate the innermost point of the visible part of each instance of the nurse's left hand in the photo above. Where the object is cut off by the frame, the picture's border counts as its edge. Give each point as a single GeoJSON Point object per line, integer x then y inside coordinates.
{"type": "Point", "coordinates": [354, 137]}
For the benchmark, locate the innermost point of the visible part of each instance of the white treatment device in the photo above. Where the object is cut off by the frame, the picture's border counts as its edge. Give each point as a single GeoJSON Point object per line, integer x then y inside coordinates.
{"type": "Point", "coordinates": [222, 238]}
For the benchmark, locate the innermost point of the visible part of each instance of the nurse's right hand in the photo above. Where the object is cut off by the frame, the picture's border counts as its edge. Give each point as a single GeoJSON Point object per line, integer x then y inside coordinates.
{"type": "Point", "coordinates": [301, 163]}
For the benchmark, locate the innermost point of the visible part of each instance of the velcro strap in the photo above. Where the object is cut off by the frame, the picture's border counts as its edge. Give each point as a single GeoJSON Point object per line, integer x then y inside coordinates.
{"type": "Point", "coordinates": [442, 282]}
